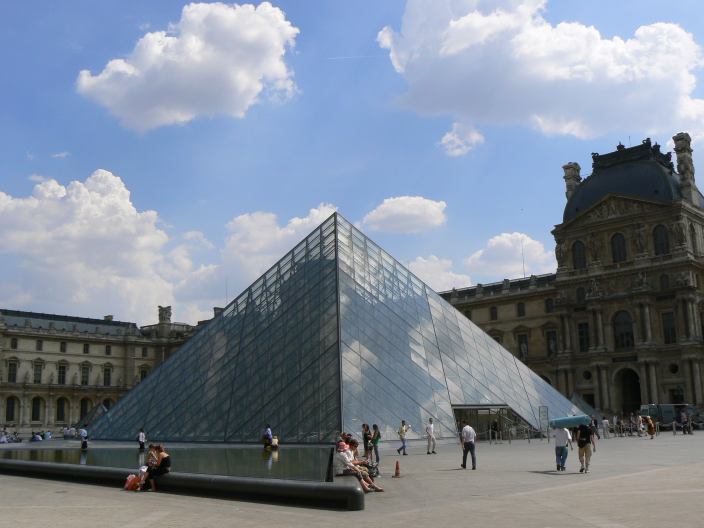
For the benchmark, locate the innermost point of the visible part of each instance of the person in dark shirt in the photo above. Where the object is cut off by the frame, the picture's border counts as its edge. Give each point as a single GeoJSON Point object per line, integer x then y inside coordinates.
{"type": "Point", "coordinates": [585, 439]}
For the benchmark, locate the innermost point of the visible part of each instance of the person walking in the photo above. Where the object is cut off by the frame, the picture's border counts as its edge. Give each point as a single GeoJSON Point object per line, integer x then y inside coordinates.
{"type": "Point", "coordinates": [402, 436]}
{"type": "Point", "coordinates": [605, 426]}
{"type": "Point", "coordinates": [563, 438]}
{"type": "Point", "coordinates": [430, 433]}
{"type": "Point", "coordinates": [141, 438]}
{"type": "Point", "coordinates": [585, 439]}
{"type": "Point", "coordinates": [467, 438]}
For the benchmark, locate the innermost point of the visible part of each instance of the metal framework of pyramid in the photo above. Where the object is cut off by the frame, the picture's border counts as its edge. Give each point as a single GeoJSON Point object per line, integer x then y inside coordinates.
{"type": "Point", "coordinates": [335, 334]}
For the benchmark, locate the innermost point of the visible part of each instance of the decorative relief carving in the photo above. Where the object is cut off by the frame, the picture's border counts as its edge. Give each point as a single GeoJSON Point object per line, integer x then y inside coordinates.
{"type": "Point", "coordinates": [680, 232]}
{"type": "Point", "coordinates": [639, 239]}
{"type": "Point", "coordinates": [596, 246]}
{"type": "Point", "coordinates": [561, 253]}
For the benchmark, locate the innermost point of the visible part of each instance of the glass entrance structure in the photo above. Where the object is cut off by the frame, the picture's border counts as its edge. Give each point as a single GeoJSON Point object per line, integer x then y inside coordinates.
{"type": "Point", "coordinates": [336, 334]}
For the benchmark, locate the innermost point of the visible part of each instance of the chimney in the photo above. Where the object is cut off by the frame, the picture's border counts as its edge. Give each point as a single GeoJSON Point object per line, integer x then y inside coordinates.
{"type": "Point", "coordinates": [685, 166]}
{"type": "Point", "coordinates": [217, 311]}
{"type": "Point", "coordinates": [572, 177]}
{"type": "Point", "coordinates": [107, 318]}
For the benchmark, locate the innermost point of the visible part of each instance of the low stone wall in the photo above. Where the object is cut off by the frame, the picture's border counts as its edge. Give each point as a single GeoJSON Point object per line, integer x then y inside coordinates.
{"type": "Point", "coordinates": [344, 493]}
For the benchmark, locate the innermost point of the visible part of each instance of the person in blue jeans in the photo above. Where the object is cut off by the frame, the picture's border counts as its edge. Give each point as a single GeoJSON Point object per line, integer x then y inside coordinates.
{"type": "Point", "coordinates": [562, 440]}
{"type": "Point", "coordinates": [402, 435]}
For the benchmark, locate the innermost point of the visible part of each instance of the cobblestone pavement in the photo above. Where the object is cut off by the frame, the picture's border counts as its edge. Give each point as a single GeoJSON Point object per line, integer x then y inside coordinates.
{"type": "Point", "coordinates": [632, 482]}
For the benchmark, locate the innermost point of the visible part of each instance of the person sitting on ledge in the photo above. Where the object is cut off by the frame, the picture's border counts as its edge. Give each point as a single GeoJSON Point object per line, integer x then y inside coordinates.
{"type": "Point", "coordinates": [163, 466]}
{"type": "Point", "coordinates": [343, 465]}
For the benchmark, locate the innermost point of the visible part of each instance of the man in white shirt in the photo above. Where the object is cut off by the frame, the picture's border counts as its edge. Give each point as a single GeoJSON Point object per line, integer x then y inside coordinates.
{"type": "Point", "coordinates": [605, 426]}
{"type": "Point", "coordinates": [563, 438]}
{"type": "Point", "coordinates": [467, 437]}
{"type": "Point", "coordinates": [430, 432]}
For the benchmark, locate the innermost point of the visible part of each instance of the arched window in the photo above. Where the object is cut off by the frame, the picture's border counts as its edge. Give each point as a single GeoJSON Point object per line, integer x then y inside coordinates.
{"type": "Point", "coordinates": [85, 407]}
{"type": "Point", "coordinates": [520, 309]}
{"type": "Point", "coordinates": [693, 238]}
{"type": "Point", "coordinates": [661, 240]}
{"type": "Point", "coordinates": [579, 255]}
{"type": "Point", "coordinates": [37, 407]}
{"type": "Point", "coordinates": [61, 405]}
{"type": "Point", "coordinates": [623, 330]}
{"type": "Point", "coordinates": [12, 408]}
{"type": "Point", "coordinates": [618, 248]}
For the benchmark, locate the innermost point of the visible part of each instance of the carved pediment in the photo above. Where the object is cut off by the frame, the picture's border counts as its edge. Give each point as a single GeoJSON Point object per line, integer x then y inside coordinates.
{"type": "Point", "coordinates": [611, 207]}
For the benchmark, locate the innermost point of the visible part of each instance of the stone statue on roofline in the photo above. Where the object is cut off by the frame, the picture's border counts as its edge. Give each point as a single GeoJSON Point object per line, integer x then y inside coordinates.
{"type": "Point", "coordinates": [683, 149]}
{"type": "Point", "coordinates": [164, 314]}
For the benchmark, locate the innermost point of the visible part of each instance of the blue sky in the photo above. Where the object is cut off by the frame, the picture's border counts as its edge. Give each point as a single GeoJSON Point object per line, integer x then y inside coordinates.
{"type": "Point", "coordinates": [442, 136]}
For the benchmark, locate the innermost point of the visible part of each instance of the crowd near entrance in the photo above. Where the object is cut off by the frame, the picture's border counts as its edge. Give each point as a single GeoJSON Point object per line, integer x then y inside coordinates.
{"type": "Point", "coordinates": [490, 422]}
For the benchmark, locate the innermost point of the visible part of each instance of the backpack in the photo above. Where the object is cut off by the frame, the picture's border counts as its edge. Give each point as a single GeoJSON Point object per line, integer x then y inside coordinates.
{"type": "Point", "coordinates": [132, 483]}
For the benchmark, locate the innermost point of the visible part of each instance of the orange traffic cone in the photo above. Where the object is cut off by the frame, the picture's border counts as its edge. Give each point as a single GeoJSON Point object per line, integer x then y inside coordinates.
{"type": "Point", "coordinates": [397, 473]}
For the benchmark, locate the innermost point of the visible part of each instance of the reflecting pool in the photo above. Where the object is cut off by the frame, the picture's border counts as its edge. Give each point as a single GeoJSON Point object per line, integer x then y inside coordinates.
{"type": "Point", "coordinates": [294, 463]}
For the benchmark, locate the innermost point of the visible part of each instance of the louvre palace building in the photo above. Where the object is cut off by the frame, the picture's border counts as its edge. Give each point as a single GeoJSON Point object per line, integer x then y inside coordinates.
{"type": "Point", "coordinates": [620, 321]}
{"type": "Point", "coordinates": [55, 369]}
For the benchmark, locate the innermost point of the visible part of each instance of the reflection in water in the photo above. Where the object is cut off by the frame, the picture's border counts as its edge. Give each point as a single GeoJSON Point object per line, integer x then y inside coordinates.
{"type": "Point", "coordinates": [297, 463]}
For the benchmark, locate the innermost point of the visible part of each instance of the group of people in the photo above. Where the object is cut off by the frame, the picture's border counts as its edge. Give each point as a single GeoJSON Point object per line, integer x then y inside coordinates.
{"type": "Point", "coordinates": [39, 436]}
{"type": "Point", "coordinates": [632, 425]}
{"type": "Point", "coordinates": [157, 463]}
{"type": "Point", "coordinates": [9, 438]}
{"type": "Point", "coordinates": [585, 436]}
{"type": "Point", "coordinates": [347, 461]}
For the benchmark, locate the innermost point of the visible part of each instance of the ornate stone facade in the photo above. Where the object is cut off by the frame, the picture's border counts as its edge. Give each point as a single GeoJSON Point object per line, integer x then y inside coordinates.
{"type": "Point", "coordinates": [55, 369]}
{"type": "Point", "coordinates": [620, 322]}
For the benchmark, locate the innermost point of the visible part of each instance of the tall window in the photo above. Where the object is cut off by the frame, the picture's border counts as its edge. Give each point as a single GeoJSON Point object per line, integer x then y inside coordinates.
{"type": "Point", "coordinates": [85, 407]}
{"type": "Point", "coordinates": [62, 346]}
{"type": "Point", "coordinates": [669, 329]}
{"type": "Point", "coordinates": [11, 409]}
{"type": "Point", "coordinates": [579, 255]}
{"type": "Point", "coordinates": [664, 281]}
{"type": "Point", "coordinates": [61, 410]}
{"type": "Point", "coordinates": [618, 248]}
{"type": "Point", "coordinates": [493, 313]}
{"type": "Point", "coordinates": [523, 345]}
{"type": "Point", "coordinates": [693, 238]}
{"type": "Point", "coordinates": [36, 409]}
{"type": "Point", "coordinates": [549, 305]}
{"type": "Point", "coordinates": [39, 345]}
{"type": "Point", "coordinates": [144, 351]}
{"type": "Point", "coordinates": [581, 296]}
{"type": "Point", "coordinates": [623, 330]}
{"type": "Point", "coordinates": [86, 348]}
{"type": "Point", "coordinates": [551, 341]}
{"type": "Point", "coordinates": [13, 343]}
{"type": "Point", "coordinates": [143, 373]}
{"type": "Point", "coordinates": [583, 336]}
{"type": "Point", "coordinates": [61, 374]}
{"type": "Point", "coordinates": [12, 372]}
{"type": "Point", "coordinates": [107, 372]}
{"type": "Point", "coordinates": [108, 350]}
{"type": "Point", "coordinates": [38, 373]}
{"type": "Point", "coordinates": [85, 372]}
{"type": "Point", "coordinates": [661, 240]}
{"type": "Point", "coordinates": [520, 309]}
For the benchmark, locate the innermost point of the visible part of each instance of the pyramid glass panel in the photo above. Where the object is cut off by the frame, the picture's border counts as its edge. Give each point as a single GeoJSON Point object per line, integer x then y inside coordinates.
{"type": "Point", "coordinates": [335, 334]}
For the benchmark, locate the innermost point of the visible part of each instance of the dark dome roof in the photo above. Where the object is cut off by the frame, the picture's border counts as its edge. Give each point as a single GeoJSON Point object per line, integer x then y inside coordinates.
{"type": "Point", "coordinates": [639, 172]}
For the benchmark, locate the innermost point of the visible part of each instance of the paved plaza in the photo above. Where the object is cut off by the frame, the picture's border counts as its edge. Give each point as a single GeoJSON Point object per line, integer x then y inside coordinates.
{"type": "Point", "coordinates": [633, 482]}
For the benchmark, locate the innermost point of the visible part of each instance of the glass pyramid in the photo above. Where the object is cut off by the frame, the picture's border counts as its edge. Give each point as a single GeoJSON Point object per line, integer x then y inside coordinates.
{"type": "Point", "coordinates": [335, 334]}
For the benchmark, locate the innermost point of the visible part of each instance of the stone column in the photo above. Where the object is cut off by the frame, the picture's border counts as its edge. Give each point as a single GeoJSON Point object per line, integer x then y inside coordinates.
{"type": "Point", "coordinates": [599, 329]}
{"type": "Point", "coordinates": [687, 375]}
{"type": "Point", "coordinates": [642, 373]}
{"type": "Point", "coordinates": [605, 388]}
{"type": "Point", "coordinates": [648, 324]}
{"type": "Point", "coordinates": [570, 382]}
{"type": "Point", "coordinates": [568, 334]}
{"type": "Point", "coordinates": [49, 411]}
{"type": "Point", "coordinates": [694, 329]}
{"type": "Point", "coordinates": [597, 386]}
{"type": "Point", "coordinates": [562, 381]}
{"type": "Point", "coordinates": [697, 378]}
{"type": "Point", "coordinates": [654, 396]}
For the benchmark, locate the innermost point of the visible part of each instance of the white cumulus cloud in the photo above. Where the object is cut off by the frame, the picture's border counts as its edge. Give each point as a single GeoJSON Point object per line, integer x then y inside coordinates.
{"type": "Point", "coordinates": [461, 139]}
{"type": "Point", "coordinates": [406, 214]}
{"type": "Point", "coordinates": [488, 62]}
{"type": "Point", "coordinates": [504, 256]}
{"type": "Point", "coordinates": [437, 273]}
{"type": "Point", "coordinates": [85, 245]}
{"type": "Point", "coordinates": [217, 60]}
